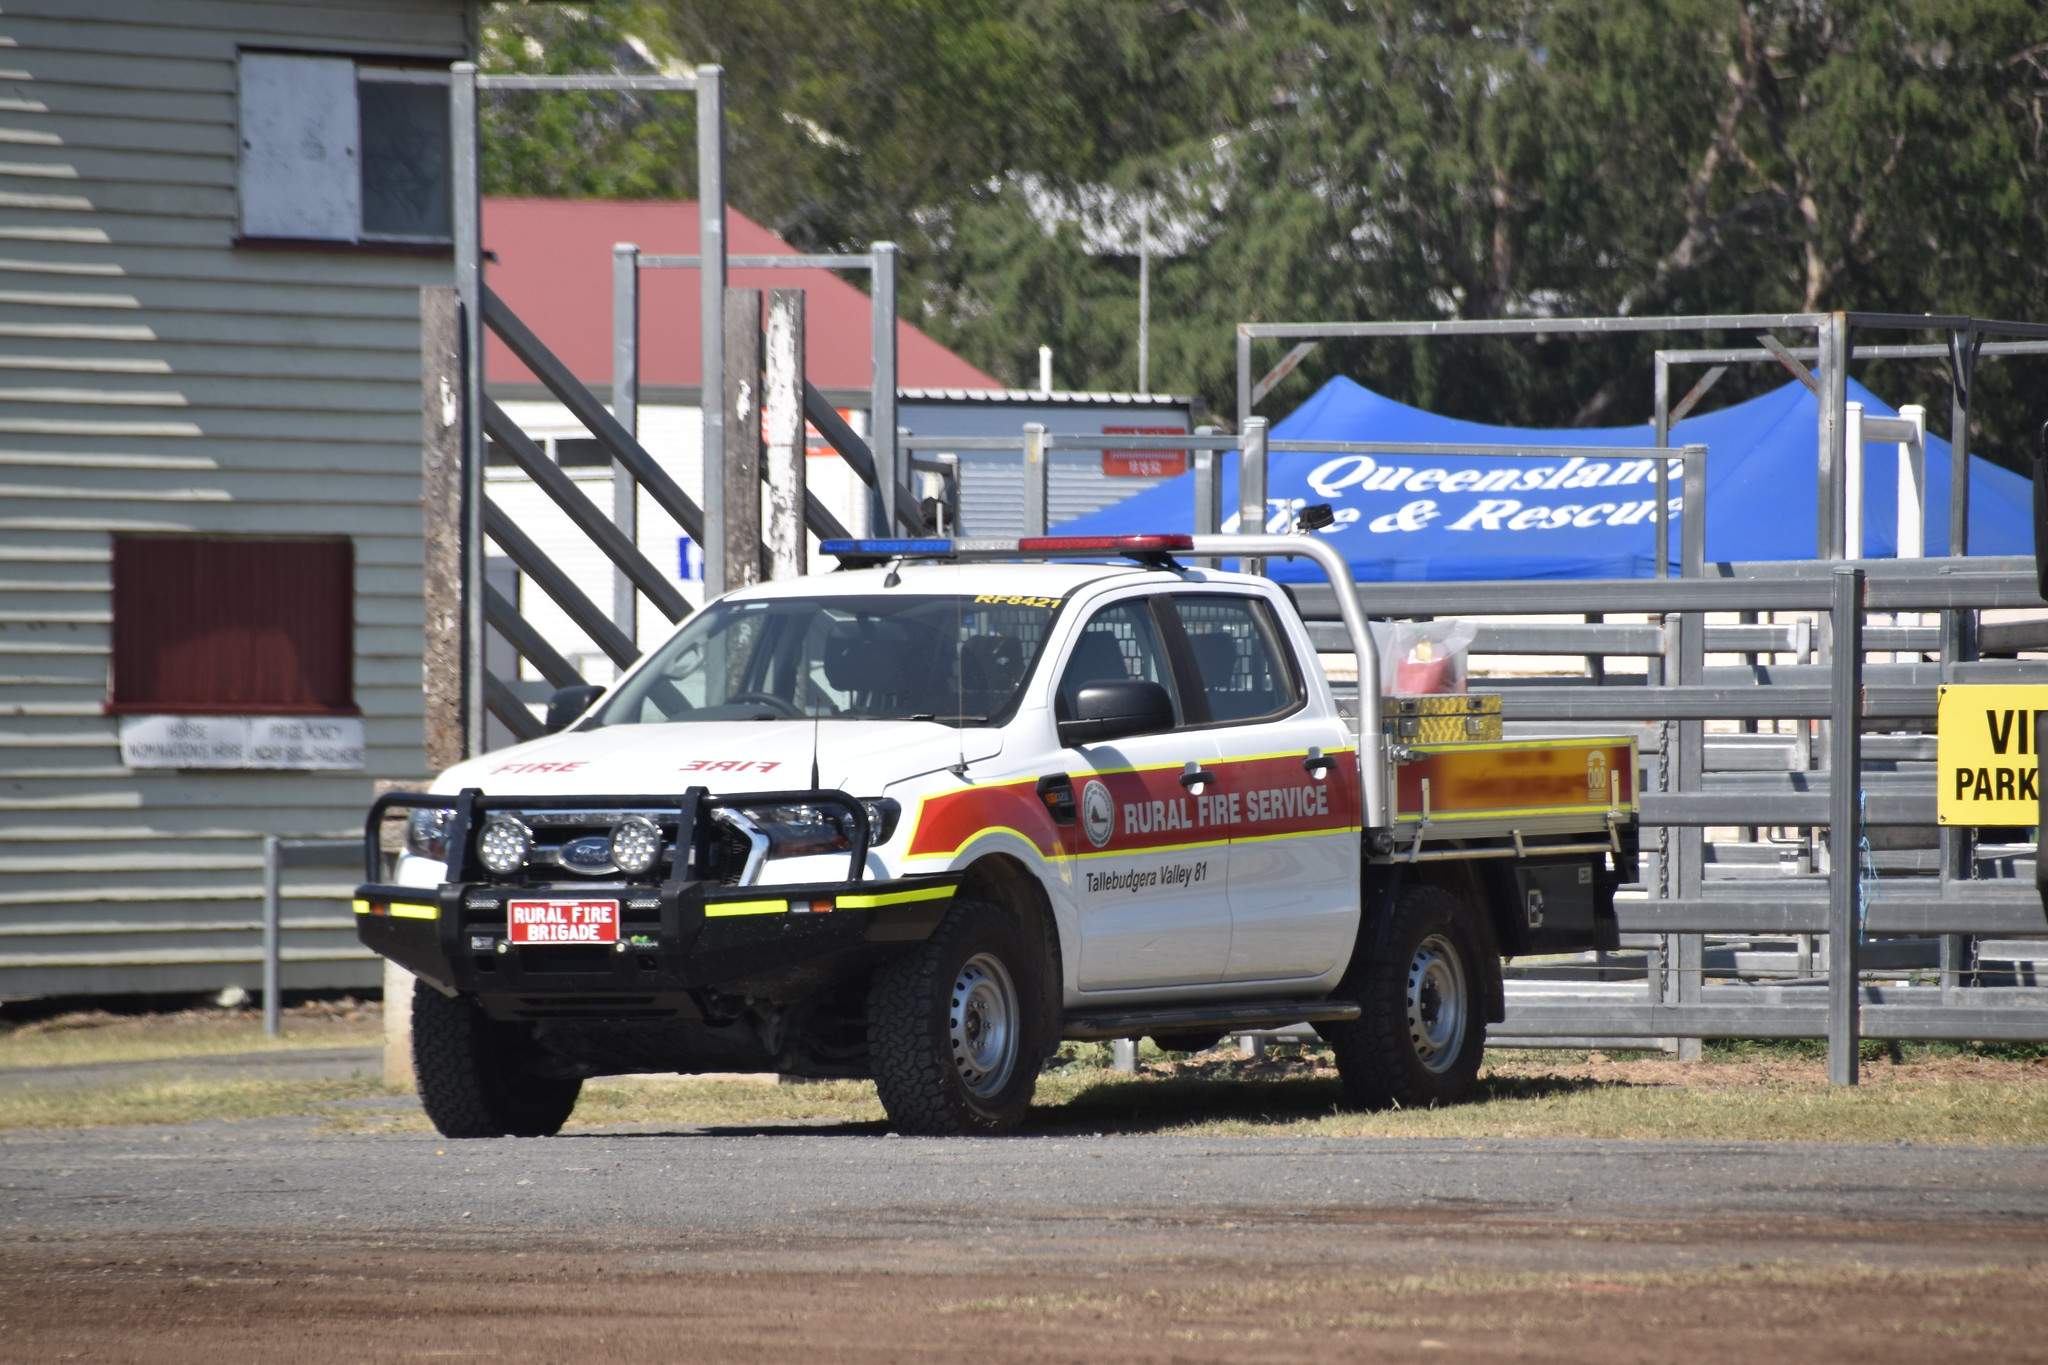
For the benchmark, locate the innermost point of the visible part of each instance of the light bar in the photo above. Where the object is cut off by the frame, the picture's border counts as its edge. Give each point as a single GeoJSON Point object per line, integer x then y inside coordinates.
{"type": "Point", "coordinates": [885, 548]}
{"type": "Point", "coordinates": [1122, 545]}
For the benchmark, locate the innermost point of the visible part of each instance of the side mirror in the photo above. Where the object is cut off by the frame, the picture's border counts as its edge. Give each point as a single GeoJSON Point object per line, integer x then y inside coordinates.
{"type": "Point", "coordinates": [1117, 710]}
{"type": "Point", "coordinates": [568, 703]}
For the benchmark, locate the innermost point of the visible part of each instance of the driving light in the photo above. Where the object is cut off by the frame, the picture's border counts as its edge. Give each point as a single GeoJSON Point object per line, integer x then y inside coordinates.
{"type": "Point", "coordinates": [636, 844]}
{"type": "Point", "coordinates": [504, 844]}
{"type": "Point", "coordinates": [426, 832]}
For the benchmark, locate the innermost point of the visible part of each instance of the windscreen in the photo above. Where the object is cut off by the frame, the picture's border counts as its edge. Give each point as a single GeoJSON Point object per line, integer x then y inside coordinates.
{"type": "Point", "coordinates": [957, 660]}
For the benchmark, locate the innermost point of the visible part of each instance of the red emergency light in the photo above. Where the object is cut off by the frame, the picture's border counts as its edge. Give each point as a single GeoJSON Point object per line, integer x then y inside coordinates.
{"type": "Point", "coordinates": [1116, 545]}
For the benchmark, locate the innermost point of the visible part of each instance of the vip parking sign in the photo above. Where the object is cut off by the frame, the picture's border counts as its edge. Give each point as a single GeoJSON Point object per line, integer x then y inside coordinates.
{"type": "Point", "coordinates": [1987, 754]}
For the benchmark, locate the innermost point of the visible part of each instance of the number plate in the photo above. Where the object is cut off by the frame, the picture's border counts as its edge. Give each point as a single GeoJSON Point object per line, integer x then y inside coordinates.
{"type": "Point", "coordinates": [560, 921]}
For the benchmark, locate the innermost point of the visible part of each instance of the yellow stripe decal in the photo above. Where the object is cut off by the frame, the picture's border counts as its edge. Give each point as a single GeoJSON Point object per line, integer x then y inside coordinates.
{"type": "Point", "coordinates": [922, 893]}
{"type": "Point", "coordinates": [399, 910]}
{"type": "Point", "coordinates": [720, 909]}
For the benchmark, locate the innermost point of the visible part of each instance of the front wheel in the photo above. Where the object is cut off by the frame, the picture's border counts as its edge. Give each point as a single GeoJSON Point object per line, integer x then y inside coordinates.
{"type": "Point", "coordinates": [478, 1077]}
{"type": "Point", "coordinates": [955, 1037]}
{"type": "Point", "coordinates": [1419, 1041]}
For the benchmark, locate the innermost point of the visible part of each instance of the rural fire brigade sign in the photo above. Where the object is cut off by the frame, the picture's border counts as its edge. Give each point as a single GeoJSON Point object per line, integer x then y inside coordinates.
{"type": "Point", "coordinates": [563, 921]}
{"type": "Point", "coordinates": [1987, 754]}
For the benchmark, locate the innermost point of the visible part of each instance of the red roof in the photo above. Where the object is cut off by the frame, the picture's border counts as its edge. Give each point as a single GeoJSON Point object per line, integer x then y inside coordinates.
{"type": "Point", "coordinates": [554, 267]}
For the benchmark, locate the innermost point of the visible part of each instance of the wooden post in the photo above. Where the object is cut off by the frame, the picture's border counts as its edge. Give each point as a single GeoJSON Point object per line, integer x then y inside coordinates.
{"type": "Point", "coordinates": [742, 471]}
{"type": "Point", "coordinates": [782, 415]}
{"type": "Point", "coordinates": [441, 520]}
{"type": "Point", "coordinates": [441, 587]}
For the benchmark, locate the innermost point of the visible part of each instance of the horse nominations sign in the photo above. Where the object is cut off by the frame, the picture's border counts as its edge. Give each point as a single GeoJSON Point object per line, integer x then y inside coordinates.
{"type": "Point", "coordinates": [1987, 754]}
{"type": "Point", "coordinates": [290, 742]}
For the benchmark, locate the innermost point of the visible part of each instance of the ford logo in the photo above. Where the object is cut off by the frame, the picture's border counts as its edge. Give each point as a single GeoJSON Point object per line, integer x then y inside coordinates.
{"type": "Point", "coordinates": [591, 853]}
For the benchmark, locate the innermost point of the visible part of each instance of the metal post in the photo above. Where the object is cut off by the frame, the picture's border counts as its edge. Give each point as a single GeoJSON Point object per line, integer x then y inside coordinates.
{"type": "Point", "coordinates": [882, 409]}
{"type": "Point", "coordinates": [1251, 487]}
{"type": "Point", "coordinates": [626, 408]}
{"type": "Point", "coordinates": [1037, 461]}
{"type": "Point", "coordinates": [1688, 845]}
{"type": "Point", "coordinates": [1962, 361]}
{"type": "Point", "coordinates": [1123, 1055]}
{"type": "Point", "coordinates": [273, 877]}
{"type": "Point", "coordinates": [466, 229]}
{"type": "Point", "coordinates": [1692, 530]}
{"type": "Point", "coordinates": [1852, 481]}
{"type": "Point", "coordinates": [782, 432]}
{"type": "Point", "coordinates": [1208, 493]}
{"type": "Point", "coordinates": [741, 472]}
{"type": "Point", "coordinates": [1244, 377]}
{"type": "Point", "coordinates": [1845, 757]}
{"type": "Point", "coordinates": [1144, 293]}
{"type": "Point", "coordinates": [711, 281]}
{"type": "Point", "coordinates": [1833, 373]}
{"type": "Point", "coordinates": [1912, 535]}
{"type": "Point", "coordinates": [1661, 538]}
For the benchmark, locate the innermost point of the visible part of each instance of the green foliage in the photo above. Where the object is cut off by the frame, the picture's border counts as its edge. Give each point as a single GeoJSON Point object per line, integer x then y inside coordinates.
{"type": "Point", "coordinates": [1353, 159]}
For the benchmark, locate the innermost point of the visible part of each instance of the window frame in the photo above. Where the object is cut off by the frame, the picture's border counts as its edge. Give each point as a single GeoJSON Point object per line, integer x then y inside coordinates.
{"type": "Point", "coordinates": [1184, 652]}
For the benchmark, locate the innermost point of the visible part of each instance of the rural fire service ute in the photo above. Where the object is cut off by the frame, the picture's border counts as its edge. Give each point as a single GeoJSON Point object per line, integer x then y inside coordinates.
{"type": "Point", "coordinates": [921, 818]}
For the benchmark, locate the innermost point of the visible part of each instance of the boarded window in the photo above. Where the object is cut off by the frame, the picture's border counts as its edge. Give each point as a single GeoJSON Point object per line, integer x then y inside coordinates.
{"type": "Point", "coordinates": [332, 151]}
{"type": "Point", "coordinates": [233, 625]}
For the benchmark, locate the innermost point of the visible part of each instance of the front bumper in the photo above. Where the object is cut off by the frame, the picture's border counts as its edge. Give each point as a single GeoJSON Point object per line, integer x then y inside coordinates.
{"type": "Point", "coordinates": [681, 941]}
{"type": "Point", "coordinates": [784, 943]}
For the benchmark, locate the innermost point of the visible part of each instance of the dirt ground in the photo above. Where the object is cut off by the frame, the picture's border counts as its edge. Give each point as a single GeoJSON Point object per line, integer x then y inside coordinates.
{"type": "Point", "coordinates": [1760, 1293]}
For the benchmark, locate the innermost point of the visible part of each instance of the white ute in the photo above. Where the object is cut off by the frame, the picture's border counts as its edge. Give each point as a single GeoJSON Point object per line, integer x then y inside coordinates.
{"type": "Point", "coordinates": [921, 818]}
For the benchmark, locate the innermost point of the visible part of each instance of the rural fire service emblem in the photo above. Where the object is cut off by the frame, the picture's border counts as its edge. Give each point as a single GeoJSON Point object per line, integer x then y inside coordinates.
{"type": "Point", "coordinates": [1098, 814]}
{"type": "Point", "coordinates": [1596, 775]}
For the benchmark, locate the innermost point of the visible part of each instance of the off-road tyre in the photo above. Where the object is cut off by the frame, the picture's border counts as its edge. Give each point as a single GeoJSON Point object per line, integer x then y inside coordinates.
{"type": "Point", "coordinates": [931, 1014]}
{"type": "Point", "coordinates": [1418, 1043]}
{"type": "Point", "coordinates": [477, 1075]}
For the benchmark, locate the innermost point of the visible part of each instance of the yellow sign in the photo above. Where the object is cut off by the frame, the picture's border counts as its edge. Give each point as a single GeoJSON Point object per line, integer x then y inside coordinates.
{"type": "Point", "coordinates": [1986, 754]}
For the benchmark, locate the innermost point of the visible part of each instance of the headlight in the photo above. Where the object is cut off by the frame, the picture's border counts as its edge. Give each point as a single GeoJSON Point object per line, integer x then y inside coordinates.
{"type": "Point", "coordinates": [426, 833]}
{"type": "Point", "coordinates": [636, 843]}
{"type": "Point", "coordinates": [796, 831]}
{"type": "Point", "coordinates": [883, 812]}
{"type": "Point", "coordinates": [799, 830]}
{"type": "Point", "coordinates": [504, 844]}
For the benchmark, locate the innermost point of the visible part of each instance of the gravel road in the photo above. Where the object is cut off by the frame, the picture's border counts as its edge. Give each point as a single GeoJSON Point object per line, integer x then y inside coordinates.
{"type": "Point", "coordinates": [524, 1244]}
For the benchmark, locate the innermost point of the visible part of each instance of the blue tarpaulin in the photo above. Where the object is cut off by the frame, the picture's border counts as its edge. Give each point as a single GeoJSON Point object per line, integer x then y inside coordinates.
{"type": "Point", "coordinates": [1462, 517]}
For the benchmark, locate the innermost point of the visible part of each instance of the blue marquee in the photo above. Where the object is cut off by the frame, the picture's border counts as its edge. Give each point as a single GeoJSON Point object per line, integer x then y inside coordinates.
{"type": "Point", "coordinates": [1457, 517]}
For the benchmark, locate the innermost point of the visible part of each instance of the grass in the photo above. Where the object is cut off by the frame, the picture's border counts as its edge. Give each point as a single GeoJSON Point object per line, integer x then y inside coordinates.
{"type": "Point", "coordinates": [181, 1099]}
{"type": "Point", "coordinates": [87, 1037]}
{"type": "Point", "coordinates": [1932, 1094]}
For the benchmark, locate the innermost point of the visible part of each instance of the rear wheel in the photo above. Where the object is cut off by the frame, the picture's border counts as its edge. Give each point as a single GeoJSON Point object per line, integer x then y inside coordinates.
{"type": "Point", "coordinates": [479, 1077]}
{"type": "Point", "coordinates": [955, 1032]}
{"type": "Point", "coordinates": [1418, 1042]}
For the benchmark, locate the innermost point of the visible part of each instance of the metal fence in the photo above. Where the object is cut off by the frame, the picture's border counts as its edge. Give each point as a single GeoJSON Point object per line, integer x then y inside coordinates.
{"type": "Point", "coordinates": [1876, 723]}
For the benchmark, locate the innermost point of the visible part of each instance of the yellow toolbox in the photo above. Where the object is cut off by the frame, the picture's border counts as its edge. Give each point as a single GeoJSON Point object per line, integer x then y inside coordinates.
{"type": "Point", "coordinates": [1446, 719]}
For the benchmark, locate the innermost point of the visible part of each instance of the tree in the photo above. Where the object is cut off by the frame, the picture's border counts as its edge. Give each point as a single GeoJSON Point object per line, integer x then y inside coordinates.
{"type": "Point", "coordinates": [1360, 159]}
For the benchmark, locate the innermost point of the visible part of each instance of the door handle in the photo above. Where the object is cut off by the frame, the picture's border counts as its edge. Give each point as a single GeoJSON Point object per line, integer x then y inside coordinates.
{"type": "Point", "coordinates": [1195, 775]}
{"type": "Point", "coordinates": [1316, 761]}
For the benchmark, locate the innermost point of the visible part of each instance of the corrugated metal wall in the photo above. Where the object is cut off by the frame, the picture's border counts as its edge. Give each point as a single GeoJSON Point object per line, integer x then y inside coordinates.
{"type": "Point", "coordinates": [153, 377]}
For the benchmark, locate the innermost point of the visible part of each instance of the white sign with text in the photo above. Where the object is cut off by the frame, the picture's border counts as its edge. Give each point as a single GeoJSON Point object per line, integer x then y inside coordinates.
{"type": "Point", "coordinates": [298, 743]}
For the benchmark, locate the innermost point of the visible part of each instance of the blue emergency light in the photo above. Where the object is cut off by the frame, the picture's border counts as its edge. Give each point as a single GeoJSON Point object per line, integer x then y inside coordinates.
{"type": "Point", "coordinates": [885, 549]}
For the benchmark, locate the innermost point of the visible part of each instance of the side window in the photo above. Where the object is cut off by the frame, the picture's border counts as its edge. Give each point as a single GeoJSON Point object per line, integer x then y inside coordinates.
{"type": "Point", "coordinates": [1119, 643]}
{"type": "Point", "coordinates": [1246, 669]}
